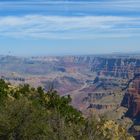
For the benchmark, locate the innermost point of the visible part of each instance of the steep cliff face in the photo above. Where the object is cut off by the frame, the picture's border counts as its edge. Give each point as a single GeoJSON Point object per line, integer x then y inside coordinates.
{"type": "Point", "coordinates": [132, 102]}
{"type": "Point", "coordinates": [131, 99]}
{"type": "Point", "coordinates": [118, 67]}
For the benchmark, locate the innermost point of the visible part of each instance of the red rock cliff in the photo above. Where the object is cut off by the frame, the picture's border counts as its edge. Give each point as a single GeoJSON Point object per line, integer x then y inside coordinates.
{"type": "Point", "coordinates": [131, 100]}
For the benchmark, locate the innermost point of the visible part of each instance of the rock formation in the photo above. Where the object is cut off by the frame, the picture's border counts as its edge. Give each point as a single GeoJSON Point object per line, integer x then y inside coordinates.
{"type": "Point", "coordinates": [131, 99]}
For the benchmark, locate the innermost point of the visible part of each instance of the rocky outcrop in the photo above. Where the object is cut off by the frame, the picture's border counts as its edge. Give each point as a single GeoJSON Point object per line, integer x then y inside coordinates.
{"type": "Point", "coordinates": [96, 96]}
{"type": "Point", "coordinates": [101, 106]}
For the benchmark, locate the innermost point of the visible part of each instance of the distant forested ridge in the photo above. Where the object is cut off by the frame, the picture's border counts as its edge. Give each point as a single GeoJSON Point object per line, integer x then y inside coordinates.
{"type": "Point", "coordinates": [27, 113]}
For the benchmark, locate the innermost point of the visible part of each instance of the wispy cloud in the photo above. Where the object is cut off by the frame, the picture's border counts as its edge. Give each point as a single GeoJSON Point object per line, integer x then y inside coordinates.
{"type": "Point", "coordinates": [61, 27]}
{"type": "Point", "coordinates": [69, 19]}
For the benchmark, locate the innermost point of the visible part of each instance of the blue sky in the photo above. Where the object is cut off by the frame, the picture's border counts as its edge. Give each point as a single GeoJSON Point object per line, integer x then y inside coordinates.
{"type": "Point", "coordinates": [61, 27]}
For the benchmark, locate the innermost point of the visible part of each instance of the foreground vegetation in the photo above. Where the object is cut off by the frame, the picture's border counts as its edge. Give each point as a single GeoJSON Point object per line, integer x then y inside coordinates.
{"type": "Point", "coordinates": [27, 113]}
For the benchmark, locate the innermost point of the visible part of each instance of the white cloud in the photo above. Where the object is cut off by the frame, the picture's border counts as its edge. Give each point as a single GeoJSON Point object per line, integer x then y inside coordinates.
{"type": "Point", "coordinates": [60, 27]}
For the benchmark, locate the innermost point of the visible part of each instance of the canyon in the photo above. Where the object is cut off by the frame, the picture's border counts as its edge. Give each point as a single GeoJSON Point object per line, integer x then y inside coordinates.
{"type": "Point", "coordinates": [98, 84]}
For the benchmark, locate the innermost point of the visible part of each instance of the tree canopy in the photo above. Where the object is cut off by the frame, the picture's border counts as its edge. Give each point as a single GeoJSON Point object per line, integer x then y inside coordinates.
{"type": "Point", "coordinates": [27, 113]}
